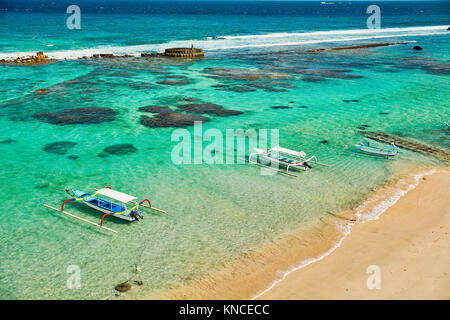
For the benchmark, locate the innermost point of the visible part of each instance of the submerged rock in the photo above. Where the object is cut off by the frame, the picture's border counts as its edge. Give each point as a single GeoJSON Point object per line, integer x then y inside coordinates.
{"type": "Point", "coordinates": [348, 101]}
{"type": "Point", "coordinates": [7, 141]}
{"type": "Point", "coordinates": [240, 89]}
{"type": "Point", "coordinates": [92, 90]}
{"type": "Point", "coordinates": [191, 99]}
{"type": "Point", "coordinates": [417, 48]}
{"type": "Point", "coordinates": [324, 142]}
{"type": "Point", "coordinates": [122, 74]}
{"type": "Point", "coordinates": [312, 79]}
{"type": "Point", "coordinates": [244, 74]}
{"type": "Point", "coordinates": [172, 119]}
{"type": "Point", "coordinates": [123, 287]}
{"type": "Point", "coordinates": [334, 73]}
{"type": "Point", "coordinates": [155, 109]}
{"type": "Point", "coordinates": [160, 72]}
{"type": "Point", "coordinates": [432, 66]}
{"type": "Point", "coordinates": [120, 149]}
{"type": "Point", "coordinates": [175, 76]}
{"type": "Point", "coordinates": [78, 116]}
{"type": "Point", "coordinates": [60, 147]}
{"type": "Point", "coordinates": [72, 157]}
{"type": "Point", "coordinates": [173, 82]}
{"type": "Point", "coordinates": [280, 107]}
{"type": "Point", "coordinates": [266, 87]}
{"type": "Point", "coordinates": [42, 186]}
{"type": "Point", "coordinates": [209, 108]}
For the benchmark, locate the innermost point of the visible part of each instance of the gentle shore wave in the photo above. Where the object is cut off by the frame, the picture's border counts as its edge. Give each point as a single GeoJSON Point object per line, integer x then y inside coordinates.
{"type": "Point", "coordinates": [371, 209]}
{"type": "Point", "coordinates": [240, 279]}
{"type": "Point", "coordinates": [407, 240]}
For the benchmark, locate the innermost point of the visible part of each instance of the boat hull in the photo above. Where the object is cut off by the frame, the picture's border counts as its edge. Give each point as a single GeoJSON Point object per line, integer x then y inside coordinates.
{"type": "Point", "coordinates": [120, 216]}
{"type": "Point", "coordinates": [380, 152]}
{"type": "Point", "coordinates": [296, 166]}
{"type": "Point", "coordinates": [103, 206]}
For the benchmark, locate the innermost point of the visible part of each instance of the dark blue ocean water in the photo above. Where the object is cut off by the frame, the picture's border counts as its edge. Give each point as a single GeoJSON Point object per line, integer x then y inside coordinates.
{"type": "Point", "coordinates": [32, 25]}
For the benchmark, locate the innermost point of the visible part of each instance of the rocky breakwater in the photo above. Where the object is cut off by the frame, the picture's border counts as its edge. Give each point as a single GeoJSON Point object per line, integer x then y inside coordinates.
{"type": "Point", "coordinates": [106, 56]}
{"type": "Point", "coordinates": [38, 59]}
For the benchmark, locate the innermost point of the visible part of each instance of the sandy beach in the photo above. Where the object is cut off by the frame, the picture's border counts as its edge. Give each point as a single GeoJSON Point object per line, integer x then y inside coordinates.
{"type": "Point", "coordinates": [408, 245]}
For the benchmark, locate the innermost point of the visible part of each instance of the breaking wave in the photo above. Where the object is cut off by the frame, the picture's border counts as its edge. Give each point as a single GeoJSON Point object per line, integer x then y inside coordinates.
{"type": "Point", "coordinates": [249, 41]}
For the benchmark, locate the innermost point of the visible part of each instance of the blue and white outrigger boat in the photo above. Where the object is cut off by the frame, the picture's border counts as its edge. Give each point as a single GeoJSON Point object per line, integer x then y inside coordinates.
{"type": "Point", "coordinates": [108, 206]}
{"type": "Point", "coordinates": [366, 148]}
{"type": "Point", "coordinates": [287, 158]}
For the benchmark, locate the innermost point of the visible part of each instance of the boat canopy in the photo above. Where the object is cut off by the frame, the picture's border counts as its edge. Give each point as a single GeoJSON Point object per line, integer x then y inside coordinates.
{"type": "Point", "coordinates": [298, 154]}
{"type": "Point", "coordinates": [116, 195]}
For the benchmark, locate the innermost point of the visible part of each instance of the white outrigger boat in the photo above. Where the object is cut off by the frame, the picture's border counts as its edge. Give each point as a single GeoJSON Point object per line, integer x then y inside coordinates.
{"type": "Point", "coordinates": [108, 206]}
{"type": "Point", "coordinates": [366, 148]}
{"type": "Point", "coordinates": [290, 159]}
{"type": "Point", "coordinates": [447, 123]}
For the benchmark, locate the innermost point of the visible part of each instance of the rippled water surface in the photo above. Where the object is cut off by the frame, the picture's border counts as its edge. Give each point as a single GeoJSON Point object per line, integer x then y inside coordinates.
{"type": "Point", "coordinates": [215, 212]}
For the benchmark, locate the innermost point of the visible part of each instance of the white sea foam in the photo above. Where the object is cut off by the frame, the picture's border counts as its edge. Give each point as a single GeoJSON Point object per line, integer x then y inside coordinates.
{"type": "Point", "coordinates": [368, 211]}
{"type": "Point", "coordinates": [338, 32]}
{"type": "Point", "coordinates": [248, 41]}
{"type": "Point", "coordinates": [364, 212]}
{"type": "Point", "coordinates": [345, 230]}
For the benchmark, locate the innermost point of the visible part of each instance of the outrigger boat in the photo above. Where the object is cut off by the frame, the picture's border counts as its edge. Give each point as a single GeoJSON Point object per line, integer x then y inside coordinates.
{"type": "Point", "coordinates": [447, 123]}
{"type": "Point", "coordinates": [366, 148]}
{"type": "Point", "coordinates": [290, 159]}
{"type": "Point", "coordinates": [108, 207]}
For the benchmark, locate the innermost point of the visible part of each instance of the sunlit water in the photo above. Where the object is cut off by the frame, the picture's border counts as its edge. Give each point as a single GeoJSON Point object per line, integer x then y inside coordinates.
{"type": "Point", "coordinates": [215, 212]}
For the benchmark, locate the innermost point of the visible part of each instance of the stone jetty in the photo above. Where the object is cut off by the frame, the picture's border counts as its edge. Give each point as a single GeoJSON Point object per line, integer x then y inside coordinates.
{"type": "Point", "coordinates": [362, 46]}
{"type": "Point", "coordinates": [38, 59]}
{"type": "Point", "coordinates": [410, 145]}
{"type": "Point", "coordinates": [41, 58]}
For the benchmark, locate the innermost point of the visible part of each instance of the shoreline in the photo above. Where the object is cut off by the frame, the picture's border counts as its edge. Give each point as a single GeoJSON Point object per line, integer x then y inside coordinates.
{"type": "Point", "coordinates": [267, 273]}
{"type": "Point", "coordinates": [406, 243]}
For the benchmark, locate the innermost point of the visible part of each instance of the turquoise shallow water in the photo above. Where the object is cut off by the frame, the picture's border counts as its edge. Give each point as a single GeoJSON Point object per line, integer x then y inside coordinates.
{"type": "Point", "coordinates": [215, 212]}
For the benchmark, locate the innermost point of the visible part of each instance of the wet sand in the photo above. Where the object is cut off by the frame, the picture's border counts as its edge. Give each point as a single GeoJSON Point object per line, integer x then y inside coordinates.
{"type": "Point", "coordinates": [409, 242]}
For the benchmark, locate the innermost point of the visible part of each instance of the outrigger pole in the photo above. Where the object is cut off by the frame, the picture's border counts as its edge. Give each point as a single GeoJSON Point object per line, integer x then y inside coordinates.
{"type": "Point", "coordinates": [320, 164]}
{"type": "Point", "coordinates": [150, 207]}
{"type": "Point", "coordinates": [267, 167]}
{"type": "Point", "coordinates": [82, 219]}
